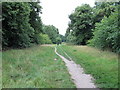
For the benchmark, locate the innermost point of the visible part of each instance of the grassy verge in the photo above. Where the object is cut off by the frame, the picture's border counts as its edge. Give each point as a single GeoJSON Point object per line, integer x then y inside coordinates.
{"type": "Point", "coordinates": [102, 65]}
{"type": "Point", "coordinates": [34, 68]}
{"type": "Point", "coordinates": [0, 70]}
{"type": "Point", "coordinates": [62, 51]}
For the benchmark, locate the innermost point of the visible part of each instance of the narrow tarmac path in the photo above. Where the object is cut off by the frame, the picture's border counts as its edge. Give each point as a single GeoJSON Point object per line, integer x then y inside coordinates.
{"type": "Point", "coordinates": [80, 79]}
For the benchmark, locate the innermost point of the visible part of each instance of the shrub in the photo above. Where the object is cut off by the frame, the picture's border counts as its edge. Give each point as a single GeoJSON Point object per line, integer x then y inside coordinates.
{"type": "Point", "coordinates": [107, 34]}
{"type": "Point", "coordinates": [44, 39]}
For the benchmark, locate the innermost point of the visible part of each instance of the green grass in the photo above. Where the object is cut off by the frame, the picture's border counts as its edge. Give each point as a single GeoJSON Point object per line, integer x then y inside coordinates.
{"type": "Point", "coordinates": [102, 65]}
{"type": "Point", "coordinates": [34, 68]}
{"type": "Point", "coordinates": [62, 51]}
{"type": "Point", "coordinates": [0, 70]}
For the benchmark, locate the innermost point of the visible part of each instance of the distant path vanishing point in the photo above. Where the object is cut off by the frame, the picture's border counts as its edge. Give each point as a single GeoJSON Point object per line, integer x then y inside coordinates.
{"type": "Point", "coordinates": [80, 79]}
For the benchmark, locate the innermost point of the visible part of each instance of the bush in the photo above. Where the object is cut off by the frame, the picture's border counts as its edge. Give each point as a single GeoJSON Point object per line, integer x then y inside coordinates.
{"type": "Point", "coordinates": [58, 40]}
{"type": "Point", "coordinates": [107, 34]}
{"type": "Point", "coordinates": [44, 39]}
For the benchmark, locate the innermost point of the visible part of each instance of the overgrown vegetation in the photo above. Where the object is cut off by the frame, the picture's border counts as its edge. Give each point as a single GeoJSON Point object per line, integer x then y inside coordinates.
{"type": "Point", "coordinates": [102, 65]}
{"type": "Point", "coordinates": [97, 26]}
{"type": "Point", "coordinates": [34, 67]}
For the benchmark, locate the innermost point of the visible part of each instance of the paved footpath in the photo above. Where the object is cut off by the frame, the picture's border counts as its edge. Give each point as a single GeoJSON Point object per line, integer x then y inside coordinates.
{"type": "Point", "coordinates": [80, 79]}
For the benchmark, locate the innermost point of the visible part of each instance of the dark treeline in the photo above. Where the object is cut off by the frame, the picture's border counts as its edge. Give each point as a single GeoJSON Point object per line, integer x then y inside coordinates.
{"type": "Point", "coordinates": [96, 26]}
{"type": "Point", "coordinates": [22, 26]}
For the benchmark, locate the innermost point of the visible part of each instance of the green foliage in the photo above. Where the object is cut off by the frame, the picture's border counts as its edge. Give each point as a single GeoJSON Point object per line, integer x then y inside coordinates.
{"type": "Point", "coordinates": [35, 21]}
{"type": "Point", "coordinates": [62, 38]}
{"type": "Point", "coordinates": [71, 38]}
{"type": "Point", "coordinates": [21, 24]}
{"type": "Point", "coordinates": [107, 34]}
{"type": "Point", "coordinates": [81, 24]}
{"type": "Point", "coordinates": [52, 32]}
{"type": "Point", "coordinates": [58, 40]}
{"type": "Point", "coordinates": [97, 26]}
{"type": "Point", "coordinates": [44, 39]}
{"type": "Point", "coordinates": [102, 9]}
{"type": "Point", "coordinates": [16, 27]}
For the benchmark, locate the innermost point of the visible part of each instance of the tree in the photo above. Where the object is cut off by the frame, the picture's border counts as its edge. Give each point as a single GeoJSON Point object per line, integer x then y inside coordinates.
{"type": "Point", "coordinates": [35, 21]}
{"type": "Point", "coordinates": [58, 40]}
{"type": "Point", "coordinates": [62, 38]}
{"type": "Point", "coordinates": [21, 24]}
{"type": "Point", "coordinates": [52, 32]}
{"type": "Point", "coordinates": [44, 39]}
{"type": "Point", "coordinates": [81, 24]}
{"type": "Point", "coordinates": [107, 33]}
{"type": "Point", "coordinates": [102, 9]}
{"type": "Point", "coordinates": [0, 27]}
{"type": "Point", "coordinates": [83, 20]}
{"type": "Point", "coordinates": [16, 30]}
{"type": "Point", "coordinates": [71, 38]}
{"type": "Point", "coordinates": [67, 33]}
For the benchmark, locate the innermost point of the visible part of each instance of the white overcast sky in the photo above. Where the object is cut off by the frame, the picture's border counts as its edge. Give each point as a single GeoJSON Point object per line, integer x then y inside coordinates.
{"type": "Point", "coordinates": [56, 12]}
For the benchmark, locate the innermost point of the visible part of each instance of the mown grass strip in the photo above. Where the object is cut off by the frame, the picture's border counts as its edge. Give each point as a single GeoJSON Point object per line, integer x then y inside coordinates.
{"type": "Point", "coordinates": [34, 67]}
{"type": "Point", "coordinates": [102, 65]}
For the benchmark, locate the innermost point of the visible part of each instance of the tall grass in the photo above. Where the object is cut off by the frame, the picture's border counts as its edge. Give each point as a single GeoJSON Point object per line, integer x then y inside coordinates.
{"type": "Point", "coordinates": [102, 65]}
{"type": "Point", "coordinates": [34, 68]}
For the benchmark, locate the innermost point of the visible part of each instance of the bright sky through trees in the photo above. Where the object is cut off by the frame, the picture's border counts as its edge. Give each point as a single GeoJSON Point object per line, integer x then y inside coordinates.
{"type": "Point", "coordinates": [55, 12]}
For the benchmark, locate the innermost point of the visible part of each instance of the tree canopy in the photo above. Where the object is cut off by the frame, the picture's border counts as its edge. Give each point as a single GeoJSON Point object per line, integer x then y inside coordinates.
{"type": "Point", "coordinates": [107, 33]}
{"type": "Point", "coordinates": [52, 32]}
{"type": "Point", "coordinates": [16, 27]}
{"type": "Point", "coordinates": [23, 27]}
{"type": "Point", "coordinates": [96, 26]}
{"type": "Point", "coordinates": [81, 24]}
